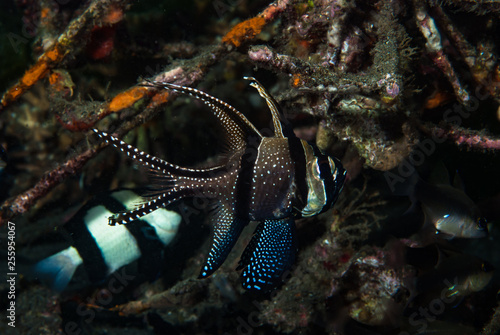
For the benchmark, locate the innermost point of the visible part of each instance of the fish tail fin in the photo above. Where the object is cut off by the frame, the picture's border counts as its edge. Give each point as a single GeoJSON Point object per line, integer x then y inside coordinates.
{"type": "Point", "coordinates": [270, 253]}
{"type": "Point", "coordinates": [57, 270]}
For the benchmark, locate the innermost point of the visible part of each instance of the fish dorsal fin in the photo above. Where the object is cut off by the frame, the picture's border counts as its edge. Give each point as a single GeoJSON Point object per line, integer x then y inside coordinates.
{"type": "Point", "coordinates": [238, 127]}
{"type": "Point", "coordinates": [280, 130]}
{"type": "Point", "coordinates": [458, 182]}
{"type": "Point", "coordinates": [439, 175]}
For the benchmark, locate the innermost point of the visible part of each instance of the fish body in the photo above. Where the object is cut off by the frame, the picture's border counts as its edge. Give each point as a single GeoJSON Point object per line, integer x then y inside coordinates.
{"type": "Point", "coordinates": [273, 180]}
{"type": "Point", "coordinates": [102, 249]}
{"type": "Point", "coordinates": [450, 210]}
{"type": "Point", "coordinates": [456, 275]}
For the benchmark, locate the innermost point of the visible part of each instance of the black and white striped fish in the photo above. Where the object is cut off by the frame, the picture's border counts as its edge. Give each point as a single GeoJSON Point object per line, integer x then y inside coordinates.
{"type": "Point", "coordinates": [102, 249]}
{"type": "Point", "coordinates": [273, 180]}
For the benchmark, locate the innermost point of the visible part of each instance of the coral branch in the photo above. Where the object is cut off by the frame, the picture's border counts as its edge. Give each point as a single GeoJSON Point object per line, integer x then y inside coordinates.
{"type": "Point", "coordinates": [265, 56]}
{"type": "Point", "coordinates": [481, 62]}
{"type": "Point", "coordinates": [66, 44]}
{"type": "Point", "coordinates": [182, 294]}
{"type": "Point", "coordinates": [248, 29]}
{"type": "Point", "coordinates": [435, 48]}
{"type": "Point", "coordinates": [463, 137]}
{"type": "Point", "coordinates": [187, 74]}
{"type": "Point", "coordinates": [22, 202]}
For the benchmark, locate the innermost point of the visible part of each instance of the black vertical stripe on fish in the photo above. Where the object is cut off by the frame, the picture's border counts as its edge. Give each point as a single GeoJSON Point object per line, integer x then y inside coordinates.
{"type": "Point", "coordinates": [268, 179]}
{"type": "Point", "coordinates": [338, 181]}
{"type": "Point", "coordinates": [299, 160]}
{"type": "Point", "coordinates": [143, 232]}
{"type": "Point", "coordinates": [150, 246]}
{"type": "Point", "coordinates": [325, 174]}
{"type": "Point", "coordinates": [244, 182]}
{"type": "Point", "coordinates": [100, 250]}
{"type": "Point", "coordinates": [85, 243]}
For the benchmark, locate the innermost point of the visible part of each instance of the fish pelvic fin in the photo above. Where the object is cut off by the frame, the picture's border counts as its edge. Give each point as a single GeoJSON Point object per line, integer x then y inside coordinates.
{"type": "Point", "coordinates": [270, 253]}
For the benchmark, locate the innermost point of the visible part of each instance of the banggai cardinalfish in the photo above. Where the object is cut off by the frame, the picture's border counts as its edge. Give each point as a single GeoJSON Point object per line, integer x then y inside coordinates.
{"type": "Point", "coordinates": [273, 180]}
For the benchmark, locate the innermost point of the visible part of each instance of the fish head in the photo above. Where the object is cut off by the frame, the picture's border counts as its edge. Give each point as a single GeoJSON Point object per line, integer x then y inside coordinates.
{"type": "Point", "coordinates": [478, 280]}
{"type": "Point", "coordinates": [457, 221]}
{"type": "Point", "coordinates": [477, 228]}
{"type": "Point", "coordinates": [325, 177]}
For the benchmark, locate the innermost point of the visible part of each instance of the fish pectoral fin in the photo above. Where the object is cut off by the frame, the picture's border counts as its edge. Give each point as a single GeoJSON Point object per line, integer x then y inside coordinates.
{"type": "Point", "coordinates": [270, 253]}
{"type": "Point", "coordinates": [226, 230]}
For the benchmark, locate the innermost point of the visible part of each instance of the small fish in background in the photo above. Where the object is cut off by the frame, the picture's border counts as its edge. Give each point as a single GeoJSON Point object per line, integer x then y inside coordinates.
{"type": "Point", "coordinates": [454, 276]}
{"type": "Point", "coordinates": [449, 212]}
{"type": "Point", "coordinates": [103, 249]}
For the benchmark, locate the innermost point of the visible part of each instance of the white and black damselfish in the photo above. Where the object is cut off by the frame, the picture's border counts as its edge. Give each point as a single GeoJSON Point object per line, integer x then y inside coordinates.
{"type": "Point", "coordinates": [273, 180]}
{"type": "Point", "coordinates": [102, 249]}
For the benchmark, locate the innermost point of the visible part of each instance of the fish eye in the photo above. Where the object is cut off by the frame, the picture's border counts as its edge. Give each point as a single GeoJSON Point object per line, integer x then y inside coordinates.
{"type": "Point", "coordinates": [481, 223]}
{"type": "Point", "coordinates": [487, 267]}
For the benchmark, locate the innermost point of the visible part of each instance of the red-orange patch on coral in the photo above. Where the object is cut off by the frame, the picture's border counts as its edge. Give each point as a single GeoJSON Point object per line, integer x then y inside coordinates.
{"type": "Point", "coordinates": [159, 99]}
{"type": "Point", "coordinates": [440, 98]}
{"type": "Point", "coordinates": [36, 72]}
{"type": "Point", "coordinates": [244, 31]}
{"type": "Point", "coordinates": [128, 98]}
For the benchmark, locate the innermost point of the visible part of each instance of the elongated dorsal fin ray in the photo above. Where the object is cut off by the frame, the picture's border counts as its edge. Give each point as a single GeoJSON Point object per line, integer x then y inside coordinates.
{"type": "Point", "coordinates": [273, 106]}
{"type": "Point", "coordinates": [237, 126]}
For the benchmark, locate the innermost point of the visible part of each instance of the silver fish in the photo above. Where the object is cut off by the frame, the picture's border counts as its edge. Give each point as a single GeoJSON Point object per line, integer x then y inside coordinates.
{"type": "Point", "coordinates": [451, 211]}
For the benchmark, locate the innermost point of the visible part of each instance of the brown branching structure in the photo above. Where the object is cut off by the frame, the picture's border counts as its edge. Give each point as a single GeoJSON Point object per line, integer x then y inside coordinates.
{"type": "Point", "coordinates": [373, 82]}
